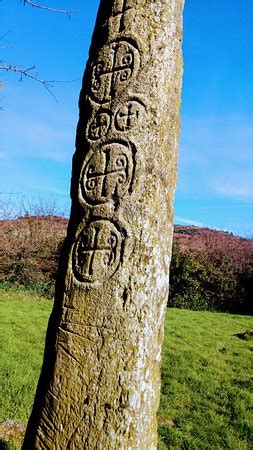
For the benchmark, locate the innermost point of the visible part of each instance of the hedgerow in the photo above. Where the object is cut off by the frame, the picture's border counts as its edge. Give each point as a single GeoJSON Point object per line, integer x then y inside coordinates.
{"type": "Point", "coordinates": [210, 281]}
{"type": "Point", "coordinates": [206, 274]}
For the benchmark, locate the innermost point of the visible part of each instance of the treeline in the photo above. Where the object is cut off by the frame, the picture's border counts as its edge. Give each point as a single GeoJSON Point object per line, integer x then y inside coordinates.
{"type": "Point", "coordinates": [204, 275]}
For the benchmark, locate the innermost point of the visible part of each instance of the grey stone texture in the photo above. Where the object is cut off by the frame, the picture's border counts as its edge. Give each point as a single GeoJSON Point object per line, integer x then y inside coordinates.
{"type": "Point", "coordinates": [100, 382]}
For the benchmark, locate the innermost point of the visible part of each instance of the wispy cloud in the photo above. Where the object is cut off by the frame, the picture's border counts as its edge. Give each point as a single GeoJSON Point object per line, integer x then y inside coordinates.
{"type": "Point", "coordinates": [42, 131]}
{"type": "Point", "coordinates": [239, 185]}
{"type": "Point", "coordinates": [213, 150]}
{"type": "Point", "coordinates": [183, 220]}
{"type": "Point", "coordinates": [38, 139]}
{"type": "Point", "coordinates": [226, 137]}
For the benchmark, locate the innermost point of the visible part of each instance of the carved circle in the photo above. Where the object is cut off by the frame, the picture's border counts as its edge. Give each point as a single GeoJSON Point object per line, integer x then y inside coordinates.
{"type": "Point", "coordinates": [97, 251]}
{"type": "Point", "coordinates": [116, 64]}
{"type": "Point", "coordinates": [99, 125]}
{"type": "Point", "coordinates": [107, 174]}
{"type": "Point", "coordinates": [129, 115]}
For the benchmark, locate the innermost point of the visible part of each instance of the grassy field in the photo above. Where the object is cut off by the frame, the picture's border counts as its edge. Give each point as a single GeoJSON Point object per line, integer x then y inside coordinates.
{"type": "Point", "coordinates": [205, 401]}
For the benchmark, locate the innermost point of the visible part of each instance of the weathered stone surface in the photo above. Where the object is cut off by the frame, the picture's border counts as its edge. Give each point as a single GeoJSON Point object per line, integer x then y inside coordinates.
{"type": "Point", "coordinates": [100, 380]}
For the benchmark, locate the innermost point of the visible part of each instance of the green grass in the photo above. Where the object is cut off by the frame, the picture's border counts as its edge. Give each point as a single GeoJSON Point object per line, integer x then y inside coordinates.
{"type": "Point", "coordinates": [206, 380]}
{"type": "Point", "coordinates": [23, 325]}
{"type": "Point", "coordinates": [205, 401]}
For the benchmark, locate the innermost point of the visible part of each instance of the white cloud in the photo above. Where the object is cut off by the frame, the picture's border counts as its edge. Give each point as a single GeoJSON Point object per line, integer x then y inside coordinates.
{"type": "Point", "coordinates": [38, 139]}
{"type": "Point", "coordinates": [226, 137]}
{"type": "Point", "coordinates": [213, 150]}
{"type": "Point", "coordinates": [239, 185]}
{"type": "Point", "coordinates": [36, 127]}
{"type": "Point", "coordinates": [183, 220]}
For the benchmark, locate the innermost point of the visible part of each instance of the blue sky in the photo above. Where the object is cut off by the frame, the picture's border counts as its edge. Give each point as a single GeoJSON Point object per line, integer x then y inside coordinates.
{"type": "Point", "coordinates": [215, 184]}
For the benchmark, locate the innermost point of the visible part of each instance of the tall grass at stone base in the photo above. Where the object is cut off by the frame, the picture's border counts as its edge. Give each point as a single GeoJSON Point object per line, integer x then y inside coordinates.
{"type": "Point", "coordinates": [211, 279]}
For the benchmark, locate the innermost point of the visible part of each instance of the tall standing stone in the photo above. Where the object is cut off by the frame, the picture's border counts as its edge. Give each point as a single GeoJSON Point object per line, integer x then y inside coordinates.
{"type": "Point", "coordinates": [100, 380]}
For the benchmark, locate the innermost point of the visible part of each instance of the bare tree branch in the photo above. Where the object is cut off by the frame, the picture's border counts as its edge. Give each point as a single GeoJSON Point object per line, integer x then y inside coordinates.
{"type": "Point", "coordinates": [3, 37]}
{"type": "Point", "coordinates": [68, 12]}
{"type": "Point", "coordinates": [30, 71]}
{"type": "Point", "coordinates": [29, 74]}
{"type": "Point", "coordinates": [5, 34]}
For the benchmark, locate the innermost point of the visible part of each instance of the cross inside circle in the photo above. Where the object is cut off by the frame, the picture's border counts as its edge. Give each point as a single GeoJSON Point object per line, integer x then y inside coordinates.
{"type": "Point", "coordinates": [129, 115]}
{"type": "Point", "coordinates": [116, 64]}
{"type": "Point", "coordinates": [97, 251]}
{"type": "Point", "coordinates": [99, 126]}
{"type": "Point", "coordinates": [107, 174]}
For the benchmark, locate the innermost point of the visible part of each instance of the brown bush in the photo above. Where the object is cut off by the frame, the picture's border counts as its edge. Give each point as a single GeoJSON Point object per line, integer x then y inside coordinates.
{"type": "Point", "coordinates": [30, 248]}
{"type": "Point", "coordinates": [210, 269]}
{"type": "Point", "coordinates": [213, 242]}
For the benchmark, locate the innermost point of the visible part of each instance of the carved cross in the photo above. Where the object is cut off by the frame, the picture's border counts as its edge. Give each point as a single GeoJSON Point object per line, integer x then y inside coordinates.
{"type": "Point", "coordinates": [93, 244]}
{"type": "Point", "coordinates": [112, 167]}
{"type": "Point", "coordinates": [99, 126]}
{"type": "Point", "coordinates": [126, 117]}
{"type": "Point", "coordinates": [121, 13]}
{"type": "Point", "coordinates": [116, 70]}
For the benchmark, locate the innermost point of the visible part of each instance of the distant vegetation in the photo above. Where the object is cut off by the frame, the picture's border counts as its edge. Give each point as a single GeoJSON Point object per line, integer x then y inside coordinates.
{"type": "Point", "coordinates": [210, 270]}
{"type": "Point", "coordinates": [206, 379]}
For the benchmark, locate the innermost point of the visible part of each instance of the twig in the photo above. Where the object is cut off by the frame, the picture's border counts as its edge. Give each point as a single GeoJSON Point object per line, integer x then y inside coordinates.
{"type": "Point", "coordinates": [3, 37]}
{"type": "Point", "coordinates": [33, 76]}
{"type": "Point", "coordinates": [47, 8]}
{"type": "Point", "coordinates": [5, 34]}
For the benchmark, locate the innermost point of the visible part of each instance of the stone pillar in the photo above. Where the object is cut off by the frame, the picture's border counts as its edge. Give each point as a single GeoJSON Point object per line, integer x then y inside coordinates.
{"type": "Point", "coordinates": [100, 380]}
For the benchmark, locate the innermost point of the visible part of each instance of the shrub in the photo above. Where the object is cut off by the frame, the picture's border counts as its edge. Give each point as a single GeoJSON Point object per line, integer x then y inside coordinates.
{"type": "Point", "coordinates": [207, 273]}
{"type": "Point", "coordinates": [209, 281]}
{"type": "Point", "coordinates": [30, 250]}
